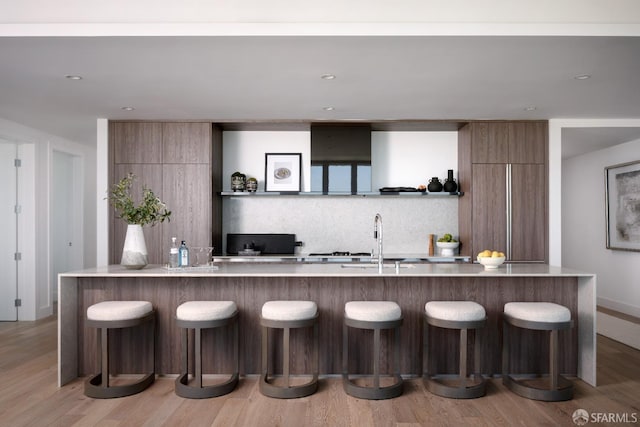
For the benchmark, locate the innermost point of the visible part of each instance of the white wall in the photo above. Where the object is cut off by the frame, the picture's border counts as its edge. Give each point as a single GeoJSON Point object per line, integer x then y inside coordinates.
{"type": "Point", "coordinates": [408, 159]}
{"type": "Point", "coordinates": [329, 223]}
{"type": "Point", "coordinates": [244, 151]}
{"type": "Point", "coordinates": [583, 228]}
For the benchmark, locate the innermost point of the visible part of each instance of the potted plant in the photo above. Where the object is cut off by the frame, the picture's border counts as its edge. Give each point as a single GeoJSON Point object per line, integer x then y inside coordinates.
{"type": "Point", "coordinates": [150, 211]}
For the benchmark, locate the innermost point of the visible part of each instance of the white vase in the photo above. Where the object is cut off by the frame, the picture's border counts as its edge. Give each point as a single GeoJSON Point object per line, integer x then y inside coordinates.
{"type": "Point", "coordinates": [134, 253]}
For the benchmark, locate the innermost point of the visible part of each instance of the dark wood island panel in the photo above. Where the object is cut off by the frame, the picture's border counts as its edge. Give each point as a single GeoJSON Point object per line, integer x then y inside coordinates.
{"type": "Point", "coordinates": [330, 293]}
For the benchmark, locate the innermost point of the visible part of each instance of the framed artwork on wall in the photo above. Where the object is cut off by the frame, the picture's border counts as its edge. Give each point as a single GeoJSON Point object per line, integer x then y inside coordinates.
{"type": "Point", "coordinates": [282, 172]}
{"type": "Point", "coordinates": [622, 195]}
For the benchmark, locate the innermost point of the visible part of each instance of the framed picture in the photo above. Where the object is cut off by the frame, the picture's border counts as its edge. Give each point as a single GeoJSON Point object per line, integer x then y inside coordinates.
{"type": "Point", "coordinates": [622, 193]}
{"type": "Point", "coordinates": [282, 171]}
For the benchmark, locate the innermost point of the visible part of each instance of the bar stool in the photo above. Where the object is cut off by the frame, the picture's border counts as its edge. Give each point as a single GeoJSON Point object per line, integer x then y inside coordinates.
{"type": "Point", "coordinates": [461, 315]}
{"type": "Point", "coordinates": [286, 315]}
{"type": "Point", "coordinates": [117, 315]}
{"type": "Point", "coordinates": [543, 316]}
{"type": "Point", "coordinates": [199, 315]}
{"type": "Point", "coordinates": [372, 315]}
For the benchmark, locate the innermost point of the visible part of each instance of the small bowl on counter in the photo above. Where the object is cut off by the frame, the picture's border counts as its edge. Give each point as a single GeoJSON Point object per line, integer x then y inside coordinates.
{"type": "Point", "coordinates": [491, 263]}
{"type": "Point", "coordinates": [447, 248]}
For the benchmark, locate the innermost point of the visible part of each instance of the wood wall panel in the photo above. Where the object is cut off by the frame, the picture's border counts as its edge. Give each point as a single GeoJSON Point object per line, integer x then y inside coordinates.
{"type": "Point", "coordinates": [411, 293]}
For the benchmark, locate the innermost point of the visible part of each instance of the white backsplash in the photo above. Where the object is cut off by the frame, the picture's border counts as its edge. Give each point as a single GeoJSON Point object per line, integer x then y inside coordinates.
{"type": "Point", "coordinates": [330, 223]}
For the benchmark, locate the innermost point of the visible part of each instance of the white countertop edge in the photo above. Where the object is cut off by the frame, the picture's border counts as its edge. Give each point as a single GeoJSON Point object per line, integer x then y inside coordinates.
{"type": "Point", "coordinates": [336, 270]}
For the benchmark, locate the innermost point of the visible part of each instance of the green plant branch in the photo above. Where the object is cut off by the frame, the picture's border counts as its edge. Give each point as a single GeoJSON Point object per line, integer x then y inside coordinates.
{"type": "Point", "coordinates": [150, 211]}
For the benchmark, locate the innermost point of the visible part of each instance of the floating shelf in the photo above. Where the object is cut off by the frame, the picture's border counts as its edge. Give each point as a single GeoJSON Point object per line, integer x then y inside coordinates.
{"type": "Point", "coordinates": [318, 194]}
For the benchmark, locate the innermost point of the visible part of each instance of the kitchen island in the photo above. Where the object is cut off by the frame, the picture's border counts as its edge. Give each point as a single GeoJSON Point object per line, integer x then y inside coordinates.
{"type": "Point", "coordinates": [330, 285]}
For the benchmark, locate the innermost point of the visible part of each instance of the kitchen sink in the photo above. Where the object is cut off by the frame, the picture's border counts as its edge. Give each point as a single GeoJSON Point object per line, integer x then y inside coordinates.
{"type": "Point", "coordinates": [375, 265]}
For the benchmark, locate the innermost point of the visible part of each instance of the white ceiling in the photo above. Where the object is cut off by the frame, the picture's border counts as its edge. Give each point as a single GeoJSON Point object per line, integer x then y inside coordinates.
{"type": "Point", "coordinates": [244, 78]}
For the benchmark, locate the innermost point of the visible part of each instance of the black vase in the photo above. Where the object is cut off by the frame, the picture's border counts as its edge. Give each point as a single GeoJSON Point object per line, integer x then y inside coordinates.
{"type": "Point", "coordinates": [434, 185]}
{"type": "Point", "coordinates": [450, 185]}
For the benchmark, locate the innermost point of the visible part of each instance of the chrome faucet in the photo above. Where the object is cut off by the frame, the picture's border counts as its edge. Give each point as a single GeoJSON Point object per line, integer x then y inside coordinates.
{"type": "Point", "coordinates": [377, 234]}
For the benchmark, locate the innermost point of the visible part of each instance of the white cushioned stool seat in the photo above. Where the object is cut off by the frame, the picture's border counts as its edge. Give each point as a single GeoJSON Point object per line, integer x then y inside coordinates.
{"type": "Point", "coordinates": [372, 311]}
{"type": "Point", "coordinates": [455, 310]}
{"type": "Point", "coordinates": [205, 310]}
{"type": "Point", "coordinates": [118, 310]}
{"type": "Point", "coordinates": [538, 311]}
{"type": "Point", "coordinates": [289, 310]}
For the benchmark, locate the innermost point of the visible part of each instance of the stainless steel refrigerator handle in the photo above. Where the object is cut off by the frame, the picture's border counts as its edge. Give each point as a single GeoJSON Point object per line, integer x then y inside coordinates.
{"type": "Point", "coordinates": [509, 211]}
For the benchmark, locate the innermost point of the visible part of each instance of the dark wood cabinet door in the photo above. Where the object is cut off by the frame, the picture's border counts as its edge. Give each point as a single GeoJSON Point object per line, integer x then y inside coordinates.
{"type": "Point", "coordinates": [489, 142]}
{"type": "Point", "coordinates": [489, 207]}
{"type": "Point", "coordinates": [187, 192]}
{"type": "Point", "coordinates": [136, 142]}
{"type": "Point", "coordinates": [528, 212]}
{"type": "Point", "coordinates": [186, 143]}
{"type": "Point", "coordinates": [527, 142]}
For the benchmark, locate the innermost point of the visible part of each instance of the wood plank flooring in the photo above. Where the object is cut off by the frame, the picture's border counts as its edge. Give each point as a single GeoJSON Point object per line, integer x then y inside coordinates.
{"type": "Point", "coordinates": [29, 396]}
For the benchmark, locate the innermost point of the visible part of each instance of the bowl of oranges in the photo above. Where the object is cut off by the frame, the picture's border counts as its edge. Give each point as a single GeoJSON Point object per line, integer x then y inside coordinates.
{"type": "Point", "coordinates": [491, 259]}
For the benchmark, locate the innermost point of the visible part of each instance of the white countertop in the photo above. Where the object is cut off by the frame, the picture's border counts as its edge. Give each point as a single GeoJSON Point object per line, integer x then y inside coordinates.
{"type": "Point", "coordinates": [247, 269]}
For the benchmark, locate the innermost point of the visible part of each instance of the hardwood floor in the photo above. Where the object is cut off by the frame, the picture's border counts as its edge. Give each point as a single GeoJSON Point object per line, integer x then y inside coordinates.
{"type": "Point", "coordinates": [29, 396]}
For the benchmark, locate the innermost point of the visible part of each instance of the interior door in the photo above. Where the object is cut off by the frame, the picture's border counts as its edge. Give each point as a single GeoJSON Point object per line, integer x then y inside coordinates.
{"type": "Point", "coordinates": [8, 248]}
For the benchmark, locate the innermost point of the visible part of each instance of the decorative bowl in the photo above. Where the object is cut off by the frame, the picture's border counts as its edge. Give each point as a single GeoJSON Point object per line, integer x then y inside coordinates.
{"type": "Point", "coordinates": [490, 262]}
{"type": "Point", "coordinates": [447, 248]}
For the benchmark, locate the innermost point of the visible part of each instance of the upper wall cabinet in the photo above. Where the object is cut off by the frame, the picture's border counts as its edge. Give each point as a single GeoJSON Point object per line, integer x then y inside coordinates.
{"type": "Point", "coordinates": [182, 143]}
{"type": "Point", "coordinates": [136, 142]}
{"type": "Point", "coordinates": [508, 142]}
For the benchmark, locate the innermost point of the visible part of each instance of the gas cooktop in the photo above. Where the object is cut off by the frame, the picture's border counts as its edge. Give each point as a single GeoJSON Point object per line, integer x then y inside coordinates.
{"type": "Point", "coordinates": [341, 253]}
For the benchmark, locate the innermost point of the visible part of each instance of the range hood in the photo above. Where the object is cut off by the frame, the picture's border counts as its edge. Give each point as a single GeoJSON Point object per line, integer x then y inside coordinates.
{"type": "Point", "coordinates": [340, 156]}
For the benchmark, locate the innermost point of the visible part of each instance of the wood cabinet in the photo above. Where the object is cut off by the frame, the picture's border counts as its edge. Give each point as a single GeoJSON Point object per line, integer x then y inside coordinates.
{"type": "Point", "coordinates": [503, 171]}
{"type": "Point", "coordinates": [508, 142]}
{"type": "Point", "coordinates": [180, 162]}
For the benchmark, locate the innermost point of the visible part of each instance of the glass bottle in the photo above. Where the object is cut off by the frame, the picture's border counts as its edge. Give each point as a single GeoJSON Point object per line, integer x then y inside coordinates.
{"type": "Point", "coordinates": [183, 255]}
{"type": "Point", "coordinates": [173, 254]}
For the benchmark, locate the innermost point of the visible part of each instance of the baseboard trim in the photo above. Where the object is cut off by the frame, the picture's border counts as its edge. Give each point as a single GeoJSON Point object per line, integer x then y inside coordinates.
{"type": "Point", "coordinates": [619, 327]}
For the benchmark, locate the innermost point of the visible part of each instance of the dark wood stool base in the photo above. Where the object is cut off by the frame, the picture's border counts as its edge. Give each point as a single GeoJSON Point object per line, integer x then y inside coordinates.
{"type": "Point", "coordinates": [195, 389]}
{"type": "Point", "coordinates": [376, 392]}
{"type": "Point", "coordinates": [551, 387]}
{"type": "Point", "coordinates": [287, 391]}
{"type": "Point", "coordinates": [97, 386]}
{"type": "Point", "coordinates": [468, 386]}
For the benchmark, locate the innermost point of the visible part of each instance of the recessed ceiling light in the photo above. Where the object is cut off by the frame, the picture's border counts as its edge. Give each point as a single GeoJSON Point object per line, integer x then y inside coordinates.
{"type": "Point", "coordinates": [328, 108]}
{"type": "Point", "coordinates": [73, 77]}
{"type": "Point", "coordinates": [128, 108]}
{"type": "Point", "coordinates": [327, 76]}
{"type": "Point", "coordinates": [583, 77]}
{"type": "Point", "coordinates": [530, 108]}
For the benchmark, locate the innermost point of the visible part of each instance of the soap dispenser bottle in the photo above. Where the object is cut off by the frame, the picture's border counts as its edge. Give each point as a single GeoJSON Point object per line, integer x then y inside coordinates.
{"type": "Point", "coordinates": [173, 254]}
{"type": "Point", "coordinates": [183, 255]}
